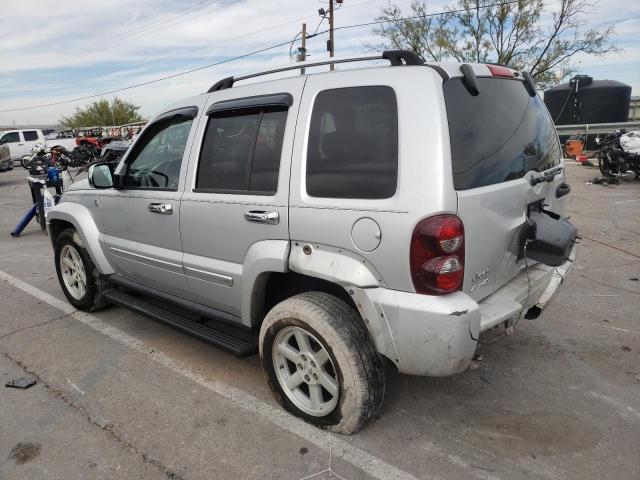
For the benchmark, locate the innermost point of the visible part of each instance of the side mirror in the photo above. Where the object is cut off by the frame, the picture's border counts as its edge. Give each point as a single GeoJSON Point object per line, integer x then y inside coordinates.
{"type": "Point", "coordinates": [100, 176]}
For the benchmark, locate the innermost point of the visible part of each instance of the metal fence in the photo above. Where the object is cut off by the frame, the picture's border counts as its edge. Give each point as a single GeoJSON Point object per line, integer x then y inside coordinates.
{"type": "Point", "coordinates": [595, 128]}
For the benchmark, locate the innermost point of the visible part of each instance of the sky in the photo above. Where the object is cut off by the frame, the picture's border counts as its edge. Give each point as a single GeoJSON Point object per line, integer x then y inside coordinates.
{"type": "Point", "coordinates": [51, 51]}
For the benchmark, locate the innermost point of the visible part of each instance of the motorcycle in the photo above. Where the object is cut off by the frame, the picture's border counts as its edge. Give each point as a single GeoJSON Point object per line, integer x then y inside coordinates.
{"type": "Point", "coordinates": [619, 152]}
{"type": "Point", "coordinates": [41, 159]}
{"type": "Point", "coordinates": [38, 150]}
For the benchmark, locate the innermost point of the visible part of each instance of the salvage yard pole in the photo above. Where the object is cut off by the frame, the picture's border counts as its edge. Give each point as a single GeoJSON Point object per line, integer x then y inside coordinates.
{"type": "Point", "coordinates": [331, 50]}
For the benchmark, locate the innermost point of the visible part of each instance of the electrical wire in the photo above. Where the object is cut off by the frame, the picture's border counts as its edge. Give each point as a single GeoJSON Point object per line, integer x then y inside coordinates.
{"type": "Point", "coordinates": [238, 57]}
{"type": "Point", "coordinates": [565, 102]}
{"type": "Point", "coordinates": [140, 31]}
{"type": "Point", "coordinates": [149, 82]}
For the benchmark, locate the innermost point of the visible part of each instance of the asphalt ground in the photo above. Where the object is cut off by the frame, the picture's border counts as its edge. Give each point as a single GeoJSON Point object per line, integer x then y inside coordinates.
{"type": "Point", "coordinates": [120, 396]}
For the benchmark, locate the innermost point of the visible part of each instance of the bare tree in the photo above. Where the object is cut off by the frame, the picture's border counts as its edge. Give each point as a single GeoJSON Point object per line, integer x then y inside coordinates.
{"type": "Point", "coordinates": [521, 34]}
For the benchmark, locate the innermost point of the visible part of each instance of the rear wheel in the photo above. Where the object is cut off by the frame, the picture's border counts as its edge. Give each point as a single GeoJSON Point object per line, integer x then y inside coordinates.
{"type": "Point", "coordinates": [79, 278]}
{"type": "Point", "coordinates": [320, 362]}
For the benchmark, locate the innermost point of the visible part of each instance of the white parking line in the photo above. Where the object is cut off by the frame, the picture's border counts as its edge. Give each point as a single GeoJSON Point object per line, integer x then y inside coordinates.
{"type": "Point", "coordinates": [365, 461]}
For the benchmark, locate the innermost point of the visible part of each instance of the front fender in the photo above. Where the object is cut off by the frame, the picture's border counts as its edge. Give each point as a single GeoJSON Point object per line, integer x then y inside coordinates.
{"type": "Point", "coordinates": [79, 216]}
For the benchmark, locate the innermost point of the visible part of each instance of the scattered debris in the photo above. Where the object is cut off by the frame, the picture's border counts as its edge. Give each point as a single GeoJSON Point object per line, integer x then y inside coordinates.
{"type": "Point", "coordinates": [22, 383]}
{"type": "Point", "coordinates": [634, 279]}
{"type": "Point", "coordinates": [604, 181]}
{"type": "Point", "coordinates": [637, 377]}
{"type": "Point", "coordinates": [478, 357]}
{"type": "Point", "coordinates": [624, 348]}
{"type": "Point", "coordinates": [303, 451]}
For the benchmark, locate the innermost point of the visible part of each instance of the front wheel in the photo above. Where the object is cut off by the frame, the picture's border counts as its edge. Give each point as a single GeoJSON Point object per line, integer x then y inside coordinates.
{"type": "Point", "coordinates": [79, 278]}
{"type": "Point", "coordinates": [320, 362]}
{"type": "Point", "coordinates": [26, 162]}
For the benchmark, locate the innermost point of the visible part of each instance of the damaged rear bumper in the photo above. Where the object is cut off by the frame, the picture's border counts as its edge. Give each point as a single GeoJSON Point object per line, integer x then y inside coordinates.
{"type": "Point", "coordinates": [437, 336]}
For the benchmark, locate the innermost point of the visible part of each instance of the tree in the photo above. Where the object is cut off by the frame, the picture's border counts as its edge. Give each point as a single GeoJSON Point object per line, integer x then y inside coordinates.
{"type": "Point", "coordinates": [103, 112]}
{"type": "Point", "coordinates": [514, 33]}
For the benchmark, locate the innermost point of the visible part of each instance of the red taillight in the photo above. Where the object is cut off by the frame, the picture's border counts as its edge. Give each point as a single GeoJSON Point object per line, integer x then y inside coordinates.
{"type": "Point", "coordinates": [500, 71]}
{"type": "Point", "coordinates": [436, 258]}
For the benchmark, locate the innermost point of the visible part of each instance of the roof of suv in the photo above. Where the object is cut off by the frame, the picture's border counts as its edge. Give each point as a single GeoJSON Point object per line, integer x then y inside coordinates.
{"type": "Point", "coordinates": [396, 58]}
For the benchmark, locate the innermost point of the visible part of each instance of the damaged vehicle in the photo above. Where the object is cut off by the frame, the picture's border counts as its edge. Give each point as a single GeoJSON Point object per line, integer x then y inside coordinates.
{"type": "Point", "coordinates": [337, 223]}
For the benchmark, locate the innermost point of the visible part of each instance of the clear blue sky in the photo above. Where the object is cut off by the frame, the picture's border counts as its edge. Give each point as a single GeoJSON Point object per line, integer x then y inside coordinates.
{"type": "Point", "coordinates": [52, 51]}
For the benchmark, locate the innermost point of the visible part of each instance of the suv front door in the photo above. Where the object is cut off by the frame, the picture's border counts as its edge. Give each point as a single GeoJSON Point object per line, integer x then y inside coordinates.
{"type": "Point", "coordinates": [141, 218]}
{"type": "Point", "coordinates": [234, 213]}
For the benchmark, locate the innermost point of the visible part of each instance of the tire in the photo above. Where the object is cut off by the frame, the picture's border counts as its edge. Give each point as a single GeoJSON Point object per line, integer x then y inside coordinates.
{"type": "Point", "coordinates": [25, 162]}
{"type": "Point", "coordinates": [90, 298]}
{"type": "Point", "coordinates": [341, 350]}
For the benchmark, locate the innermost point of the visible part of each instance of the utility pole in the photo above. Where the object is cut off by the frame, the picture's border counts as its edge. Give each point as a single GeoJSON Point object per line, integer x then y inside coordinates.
{"type": "Point", "coordinates": [303, 48]}
{"type": "Point", "coordinates": [331, 49]}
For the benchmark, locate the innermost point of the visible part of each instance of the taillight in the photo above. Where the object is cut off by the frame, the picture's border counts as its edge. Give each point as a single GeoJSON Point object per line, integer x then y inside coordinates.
{"type": "Point", "coordinates": [436, 257]}
{"type": "Point", "coordinates": [500, 71]}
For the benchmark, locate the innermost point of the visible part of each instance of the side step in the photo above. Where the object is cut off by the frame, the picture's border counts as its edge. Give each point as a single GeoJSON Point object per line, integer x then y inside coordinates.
{"type": "Point", "coordinates": [241, 344]}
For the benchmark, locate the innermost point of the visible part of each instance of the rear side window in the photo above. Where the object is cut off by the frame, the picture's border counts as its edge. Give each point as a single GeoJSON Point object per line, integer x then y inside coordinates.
{"type": "Point", "coordinates": [30, 136]}
{"type": "Point", "coordinates": [498, 135]}
{"type": "Point", "coordinates": [241, 152]}
{"type": "Point", "coordinates": [353, 144]}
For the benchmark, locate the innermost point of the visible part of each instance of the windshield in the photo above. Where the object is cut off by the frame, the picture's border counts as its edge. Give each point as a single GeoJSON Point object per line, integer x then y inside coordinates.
{"type": "Point", "coordinates": [498, 135]}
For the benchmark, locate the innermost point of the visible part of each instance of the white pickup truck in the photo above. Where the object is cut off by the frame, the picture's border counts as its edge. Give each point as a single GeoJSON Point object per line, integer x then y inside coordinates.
{"type": "Point", "coordinates": [63, 138]}
{"type": "Point", "coordinates": [20, 142]}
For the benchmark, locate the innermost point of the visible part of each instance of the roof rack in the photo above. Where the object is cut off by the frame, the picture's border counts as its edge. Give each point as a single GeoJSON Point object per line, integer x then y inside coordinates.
{"type": "Point", "coordinates": [395, 57]}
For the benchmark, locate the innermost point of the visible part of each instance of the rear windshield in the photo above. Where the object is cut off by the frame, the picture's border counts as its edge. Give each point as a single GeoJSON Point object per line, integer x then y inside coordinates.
{"type": "Point", "coordinates": [498, 135]}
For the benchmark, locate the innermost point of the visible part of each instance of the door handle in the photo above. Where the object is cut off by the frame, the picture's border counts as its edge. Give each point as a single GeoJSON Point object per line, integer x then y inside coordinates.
{"type": "Point", "coordinates": [161, 208]}
{"type": "Point", "coordinates": [260, 216]}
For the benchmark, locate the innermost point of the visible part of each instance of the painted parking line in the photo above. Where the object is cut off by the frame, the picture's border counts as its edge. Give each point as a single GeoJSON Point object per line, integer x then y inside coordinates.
{"type": "Point", "coordinates": [336, 447]}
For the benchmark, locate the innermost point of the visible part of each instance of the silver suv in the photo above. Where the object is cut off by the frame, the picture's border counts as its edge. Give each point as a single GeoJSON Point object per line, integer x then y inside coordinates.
{"type": "Point", "coordinates": [333, 222]}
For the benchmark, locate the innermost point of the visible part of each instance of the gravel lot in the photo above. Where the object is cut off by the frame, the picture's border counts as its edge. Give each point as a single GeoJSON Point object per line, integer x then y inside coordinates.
{"type": "Point", "coordinates": [120, 396]}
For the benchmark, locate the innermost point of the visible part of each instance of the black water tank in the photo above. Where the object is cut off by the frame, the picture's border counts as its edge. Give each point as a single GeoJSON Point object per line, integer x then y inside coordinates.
{"type": "Point", "coordinates": [585, 100]}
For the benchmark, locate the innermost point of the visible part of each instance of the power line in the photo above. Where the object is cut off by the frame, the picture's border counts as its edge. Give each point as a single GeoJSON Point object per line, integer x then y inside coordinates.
{"type": "Point", "coordinates": [149, 82]}
{"type": "Point", "coordinates": [190, 50]}
{"type": "Point", "coordinates": [141, 31]}
{"type": "Point", "coordinates": [254, 52]}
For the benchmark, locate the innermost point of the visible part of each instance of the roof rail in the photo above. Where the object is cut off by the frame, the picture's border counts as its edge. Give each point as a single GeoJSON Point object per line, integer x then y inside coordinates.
{"type": "Point", "coordinates": [395, 57]}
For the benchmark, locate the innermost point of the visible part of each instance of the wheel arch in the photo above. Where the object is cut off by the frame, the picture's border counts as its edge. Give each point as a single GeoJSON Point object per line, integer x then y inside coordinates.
{"type": "Point", "coordinates": [74, 215]}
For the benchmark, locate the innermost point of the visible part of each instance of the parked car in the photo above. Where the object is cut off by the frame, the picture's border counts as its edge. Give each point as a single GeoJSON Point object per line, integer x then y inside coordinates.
{"type": "Point", "coordinates": [20, 142]}
{"type": "Point", "coordinates": [334, 222]}
{"type": "Point", "coordinates": [5, 158]}
{"type": "Point", "coordinates": [65, 139]}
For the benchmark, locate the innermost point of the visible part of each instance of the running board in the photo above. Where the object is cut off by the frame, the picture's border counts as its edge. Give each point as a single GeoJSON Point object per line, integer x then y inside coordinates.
{"type": "Point", "coordinates": [241, 344]}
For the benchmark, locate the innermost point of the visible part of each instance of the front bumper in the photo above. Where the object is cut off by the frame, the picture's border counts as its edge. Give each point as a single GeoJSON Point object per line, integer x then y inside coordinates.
{"type": "Point", "coordinates": [437, 336]}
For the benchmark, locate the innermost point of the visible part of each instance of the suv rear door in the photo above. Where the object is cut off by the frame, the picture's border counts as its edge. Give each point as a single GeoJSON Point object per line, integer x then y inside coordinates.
{"type": "Point", "coordinates": [500, 140]}
{"type": "Point", "coordinates": [234, 213]}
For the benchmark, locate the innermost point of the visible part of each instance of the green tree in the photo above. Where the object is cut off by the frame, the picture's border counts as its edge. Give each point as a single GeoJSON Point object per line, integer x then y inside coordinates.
{"type": "Point", "coordinates": [103, 112]}
{"type": "Point", "coordinates": [519, 34]}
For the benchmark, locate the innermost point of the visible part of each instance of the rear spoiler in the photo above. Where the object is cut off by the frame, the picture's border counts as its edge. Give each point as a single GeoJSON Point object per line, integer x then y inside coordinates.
{"type": "Point", "coordinates": [469, 78]}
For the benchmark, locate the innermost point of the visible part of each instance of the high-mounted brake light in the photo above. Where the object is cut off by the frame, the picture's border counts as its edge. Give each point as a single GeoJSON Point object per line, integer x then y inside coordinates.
{"type": "Point", "coordinates": [500, 71]}
{"type": "Point", "coordinates": [436, 257]}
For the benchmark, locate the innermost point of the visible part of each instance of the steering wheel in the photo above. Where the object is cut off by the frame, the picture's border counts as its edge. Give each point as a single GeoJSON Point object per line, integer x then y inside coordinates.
{"type": "Point", "coordinates": [145, 176]}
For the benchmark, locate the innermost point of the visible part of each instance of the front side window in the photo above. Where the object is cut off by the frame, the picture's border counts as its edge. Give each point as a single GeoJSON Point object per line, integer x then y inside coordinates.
{"type": "Point", "coordinates": [241, 152]}
{"type": "Point", "coordinates": [157, 160]}
{"type": "Point", "coordinates": [12, 137]}
{"type": "Point", "coordinates": [30, 136]}
{"type": "Point", "coordinates": [353, 144]}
